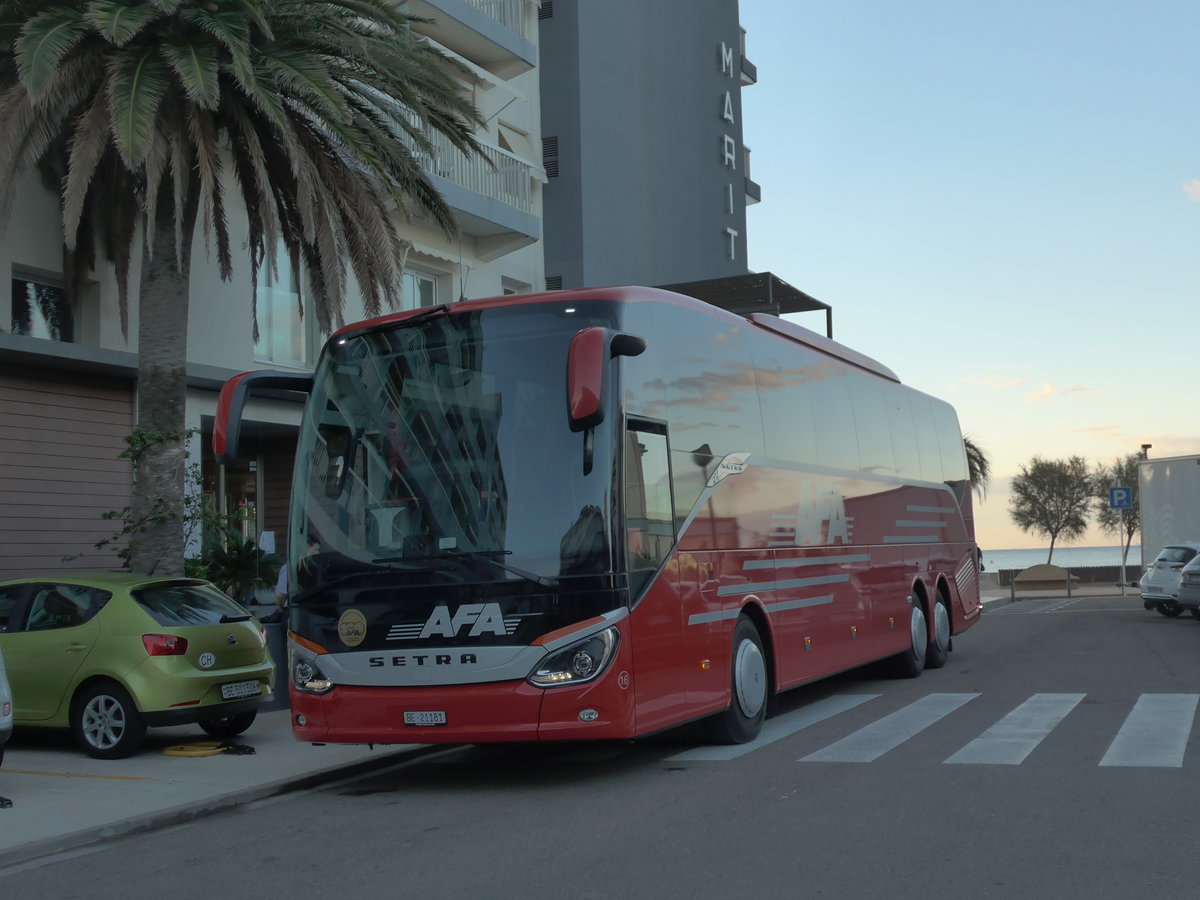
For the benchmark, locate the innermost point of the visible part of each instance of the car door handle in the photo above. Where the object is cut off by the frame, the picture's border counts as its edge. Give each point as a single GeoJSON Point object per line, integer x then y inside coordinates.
{"type": "Point", "coordinates": [75, 646]}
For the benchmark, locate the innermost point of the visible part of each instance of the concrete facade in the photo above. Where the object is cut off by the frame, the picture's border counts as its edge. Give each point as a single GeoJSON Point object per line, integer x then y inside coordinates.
{"type": "Point", "coordinates": [642, 134]}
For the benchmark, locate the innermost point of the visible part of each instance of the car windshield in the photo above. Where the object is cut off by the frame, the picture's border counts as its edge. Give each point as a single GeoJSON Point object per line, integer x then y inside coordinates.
{"type": "Point", "coordinates": [441, 445]}
{"type": "Point", "coordinates": [188, 604]}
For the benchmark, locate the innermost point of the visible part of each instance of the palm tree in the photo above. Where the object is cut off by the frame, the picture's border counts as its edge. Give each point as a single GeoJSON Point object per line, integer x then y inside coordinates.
{"type": "Point", "coordinates": [151, 116]}
{"type": "Point", "coordinates": [979, 467]}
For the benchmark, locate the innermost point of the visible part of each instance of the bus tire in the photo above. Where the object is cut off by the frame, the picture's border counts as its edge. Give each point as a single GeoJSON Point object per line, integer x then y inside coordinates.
{"type": "Point", "coordinates": [911, 662]}
{"type": "Point", "coordinates": [742, 721]}
{"type": "Point", "coordinates": [939, 648]}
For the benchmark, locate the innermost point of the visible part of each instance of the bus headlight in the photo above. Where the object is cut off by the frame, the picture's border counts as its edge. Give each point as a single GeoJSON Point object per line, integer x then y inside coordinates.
{"type": "Point", "coordinates": [580, 662]}
{"type": "Point", "coordinates": [307, 677]}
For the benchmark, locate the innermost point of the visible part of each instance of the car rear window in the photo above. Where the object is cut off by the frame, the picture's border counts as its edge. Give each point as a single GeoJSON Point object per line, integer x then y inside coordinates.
{"type": "Point", "coordinates": [1175, 555]}
{"type": "Point", "coordinates": [187, 604]}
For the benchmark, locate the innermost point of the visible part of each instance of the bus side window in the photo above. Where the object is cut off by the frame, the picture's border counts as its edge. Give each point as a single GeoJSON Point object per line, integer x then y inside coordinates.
{"type": "Point", "coordinates": [649, 516]}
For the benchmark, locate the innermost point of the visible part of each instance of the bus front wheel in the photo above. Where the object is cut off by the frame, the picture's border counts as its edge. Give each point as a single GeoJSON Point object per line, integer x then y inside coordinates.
{"type": "Point", "coordinates": [742, 721]}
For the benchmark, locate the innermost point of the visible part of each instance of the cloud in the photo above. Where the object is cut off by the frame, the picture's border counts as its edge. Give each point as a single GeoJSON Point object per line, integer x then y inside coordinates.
{"type": "Point", "coordinates": [1192, 189]}
{"type": "Point", "coordinates": [1049, 393]}
{"type": "Point", "coordinates": [1002, 383]}
{"type": "Point", "coordinates": [1045, 395]}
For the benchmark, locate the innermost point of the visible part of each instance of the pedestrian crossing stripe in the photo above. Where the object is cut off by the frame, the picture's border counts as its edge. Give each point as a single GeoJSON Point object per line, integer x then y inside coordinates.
{"type": "Point", "coordinates": [1154, 734]}
{"type": "Point", "coordinates": [869, 743]}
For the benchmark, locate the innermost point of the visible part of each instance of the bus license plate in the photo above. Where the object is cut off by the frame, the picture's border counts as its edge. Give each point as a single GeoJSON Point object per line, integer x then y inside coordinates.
{"type": "Point", "coordinates": [425, 717]}
{"type": "Point", "coordinates": [240, 689]}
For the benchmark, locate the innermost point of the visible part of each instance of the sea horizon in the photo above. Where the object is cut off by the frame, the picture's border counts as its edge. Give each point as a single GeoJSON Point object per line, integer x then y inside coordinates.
{"type": "Point", "coordinates": [1066, 556]}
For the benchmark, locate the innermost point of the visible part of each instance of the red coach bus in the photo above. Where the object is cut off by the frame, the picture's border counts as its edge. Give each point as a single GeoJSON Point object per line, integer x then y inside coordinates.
{"type": "Point", "coordinates": [603, 513]}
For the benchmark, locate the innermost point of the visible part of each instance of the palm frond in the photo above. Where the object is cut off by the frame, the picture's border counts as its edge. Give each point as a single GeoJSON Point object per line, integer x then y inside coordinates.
{"type": "Point", "coordinates": [88, 143]}
{"type": "Point", "coordinates": [196, 65]}
{"type": "Point", "coordinates": [120, 22]}
{"type": "Point", "coordinates": [137, 83]}
{"type": "Point", "coordinates": [45, 40]}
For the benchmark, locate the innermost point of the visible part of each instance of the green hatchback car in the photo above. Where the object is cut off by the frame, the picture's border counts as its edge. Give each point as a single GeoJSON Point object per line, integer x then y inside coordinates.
{"type": "Point", "coordinates": [107, 655]}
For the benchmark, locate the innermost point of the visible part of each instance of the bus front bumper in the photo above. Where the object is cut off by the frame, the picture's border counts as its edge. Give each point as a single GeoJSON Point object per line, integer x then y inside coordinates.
{"type": "Point", "coordinates": [475, 713]}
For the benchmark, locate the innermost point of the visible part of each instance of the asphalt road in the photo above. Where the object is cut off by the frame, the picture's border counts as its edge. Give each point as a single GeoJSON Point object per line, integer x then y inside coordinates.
{"type": "Point", "coordinates": [1053, 757]}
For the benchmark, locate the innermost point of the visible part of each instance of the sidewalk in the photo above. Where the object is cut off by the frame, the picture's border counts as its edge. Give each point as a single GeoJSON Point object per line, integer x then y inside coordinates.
{"type": "Point", "coordinates": [990, 594]}
{"type": "Point", "coordinates": [63, 799]}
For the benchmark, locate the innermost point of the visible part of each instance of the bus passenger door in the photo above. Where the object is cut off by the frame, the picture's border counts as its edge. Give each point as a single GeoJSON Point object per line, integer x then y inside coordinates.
{"type": "Point", "coordinates": [657, 620]}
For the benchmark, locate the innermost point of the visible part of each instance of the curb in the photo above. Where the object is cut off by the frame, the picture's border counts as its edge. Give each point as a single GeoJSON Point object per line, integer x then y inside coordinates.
{"type": "Point", "coordinates": [188, 812]}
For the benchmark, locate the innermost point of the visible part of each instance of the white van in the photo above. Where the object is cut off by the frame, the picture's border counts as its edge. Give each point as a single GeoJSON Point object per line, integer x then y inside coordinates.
{"type": "Point", "coordinates": [1160, 583]}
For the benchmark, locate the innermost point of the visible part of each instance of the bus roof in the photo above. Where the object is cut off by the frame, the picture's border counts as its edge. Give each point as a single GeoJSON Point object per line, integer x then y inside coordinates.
{"type": "Point", "coordinates": [633, 294]}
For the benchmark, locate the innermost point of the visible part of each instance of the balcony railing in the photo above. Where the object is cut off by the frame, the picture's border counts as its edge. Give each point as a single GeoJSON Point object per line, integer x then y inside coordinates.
{"type": "Point", "coordinates": [507, 179]}
{"type": "Point", "coordinates": [509, 13]}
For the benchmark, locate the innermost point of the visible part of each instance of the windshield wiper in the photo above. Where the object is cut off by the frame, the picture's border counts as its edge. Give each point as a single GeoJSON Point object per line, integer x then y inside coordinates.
{"type": "Point", "coordinates": [472, 555]}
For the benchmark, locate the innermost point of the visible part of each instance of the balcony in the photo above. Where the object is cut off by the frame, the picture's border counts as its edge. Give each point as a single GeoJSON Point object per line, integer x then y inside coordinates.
{"type": "Point", "coordinates": [490, 33]}
{"type": "Point", "coordinates": [491, 194]}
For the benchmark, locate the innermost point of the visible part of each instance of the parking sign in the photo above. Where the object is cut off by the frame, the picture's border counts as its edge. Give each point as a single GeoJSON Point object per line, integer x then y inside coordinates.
{"type": "Point", "coordinates": [1120, 498]}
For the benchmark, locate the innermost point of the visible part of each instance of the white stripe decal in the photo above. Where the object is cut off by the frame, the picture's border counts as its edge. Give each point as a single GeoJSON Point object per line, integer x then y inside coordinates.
{"type": "Point", "coordinates": [706, 618]}
{"type": "Point", "coordinates": [804, 561]}
{"type": "Point", "coordinates": [1014, 737]}
{"type": "Point", "coordinates": [798, 604]}
{"type": "Point", "coordinates": [872, 741]}
{"type": "Point", "coordinates": [780, 727]}
{"type": "Point", "coordinates": [731, 589]}
{"type": "Point", "coordinates": [1155, 733]}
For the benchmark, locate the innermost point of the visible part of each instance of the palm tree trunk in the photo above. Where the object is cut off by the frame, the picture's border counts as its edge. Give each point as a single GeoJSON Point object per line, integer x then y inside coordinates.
{"type": "Point", "coordinates": [157, 543]}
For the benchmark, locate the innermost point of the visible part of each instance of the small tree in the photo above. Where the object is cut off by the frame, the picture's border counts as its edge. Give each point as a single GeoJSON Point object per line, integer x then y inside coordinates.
{"type": "Point", "coordinates": [1051, 497]}
{"type": "Point", "coordinates": [1123, 523]}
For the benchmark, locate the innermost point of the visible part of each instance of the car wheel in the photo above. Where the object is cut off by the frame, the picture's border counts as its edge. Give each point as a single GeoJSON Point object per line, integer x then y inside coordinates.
{"type": "Point", "coordinates": [911, 662]}
{"type": "Point", "coordinates": [742, 721]}
{"type": "Point", "coordinates": [229, 726]}
{"type": "Point", "coordinates": [1195, 612]}
{"type": "Point", "coordinates": [106, 723]}
{"type": "Point", "coordinates": [939, 648]}
{"type": "Point", "coordinates": [1169, 610]}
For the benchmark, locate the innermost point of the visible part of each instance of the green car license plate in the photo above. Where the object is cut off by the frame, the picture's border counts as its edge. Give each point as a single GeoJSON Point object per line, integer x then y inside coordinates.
{"type": "Point", "coordinates": [238, 690]}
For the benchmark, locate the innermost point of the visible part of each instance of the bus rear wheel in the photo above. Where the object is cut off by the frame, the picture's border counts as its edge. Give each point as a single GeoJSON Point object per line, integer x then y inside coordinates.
{"type": "Point", "coordinates": [742, 721]}
{"type": "Point", "coordinates": [939, 647]}
{"type": "Point", "coordinates": [911, 662]}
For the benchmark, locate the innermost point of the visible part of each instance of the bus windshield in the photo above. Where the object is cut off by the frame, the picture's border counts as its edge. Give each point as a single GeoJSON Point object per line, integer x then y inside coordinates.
{"type": "Point", "coordinates": [438, 448]}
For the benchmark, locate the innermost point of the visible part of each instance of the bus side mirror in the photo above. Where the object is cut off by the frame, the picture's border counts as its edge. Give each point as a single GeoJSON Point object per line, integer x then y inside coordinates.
{"type": "Point", "coordinates": [587, 363]}
{"type": "Point", "coordinates": [227, 428]}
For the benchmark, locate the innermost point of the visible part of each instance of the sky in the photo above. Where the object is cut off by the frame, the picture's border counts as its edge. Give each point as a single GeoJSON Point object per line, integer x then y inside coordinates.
{"type": "Point", "coordinates": [1001, 202]}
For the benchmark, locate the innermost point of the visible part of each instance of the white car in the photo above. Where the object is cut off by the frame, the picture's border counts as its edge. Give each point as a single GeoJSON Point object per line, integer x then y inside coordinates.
{"type": "Point", "coordinates": [6, 711]}
{"type": "Point", "coordinates": [1160, 583]}
{"type": "Point", "coordinates": [1189, 587]}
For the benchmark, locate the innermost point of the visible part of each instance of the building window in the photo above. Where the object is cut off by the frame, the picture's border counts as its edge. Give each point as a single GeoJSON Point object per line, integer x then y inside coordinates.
{"type": "Point", "coordinates": [420, 289]}
{"type": "Point", "coordinates": [40, 309]}
{"type": "Point", "coordinates": [280, 327]}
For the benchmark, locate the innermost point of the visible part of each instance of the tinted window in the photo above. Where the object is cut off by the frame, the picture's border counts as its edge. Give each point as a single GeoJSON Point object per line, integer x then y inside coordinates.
{"type": "Point", "coordinates": [8, 601]}
{"type": "Point", "coordinates": [63, 606]}
{"type": "Point", "coordinates": [872, 424]}
{"type": "Point", "coordinates": [187, 604]}
{"type": "Point", "coordinates": [649, 533]}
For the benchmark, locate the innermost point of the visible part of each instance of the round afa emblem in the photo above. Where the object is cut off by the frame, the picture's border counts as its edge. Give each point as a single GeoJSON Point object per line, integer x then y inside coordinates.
{"type": "Point", "coordinates": [352, 628]}
{"type": "Point", "coordinates": [207, 660]}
